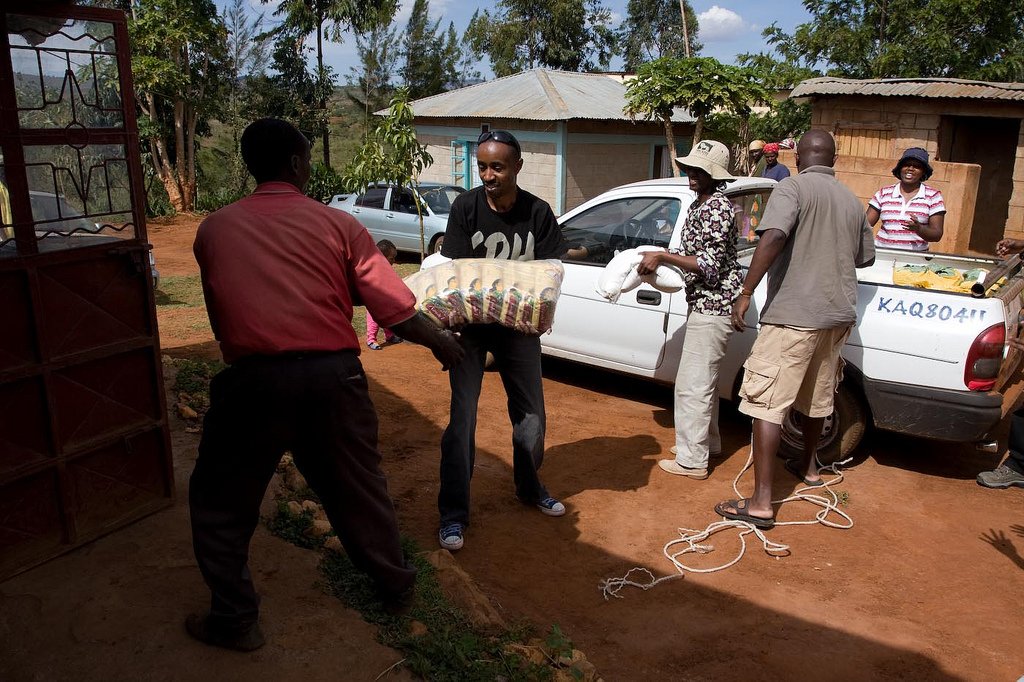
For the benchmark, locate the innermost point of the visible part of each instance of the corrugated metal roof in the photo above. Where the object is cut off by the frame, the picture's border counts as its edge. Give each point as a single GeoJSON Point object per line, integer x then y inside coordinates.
{"type": "Point", "coordinates": [911, 87]}
{"type": "Point", "coordinates": [536, 95]}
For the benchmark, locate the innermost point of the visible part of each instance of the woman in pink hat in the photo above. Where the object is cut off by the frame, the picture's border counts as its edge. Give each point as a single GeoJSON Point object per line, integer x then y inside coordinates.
{"type": "Point", "coordinates": [912, 213]}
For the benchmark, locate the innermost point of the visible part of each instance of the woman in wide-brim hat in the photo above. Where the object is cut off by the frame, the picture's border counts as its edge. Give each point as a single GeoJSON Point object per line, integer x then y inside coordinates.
{"type": "Point", "coordinates": [707, 256]}
{"type": "Point", "coordinates": [912, 213]}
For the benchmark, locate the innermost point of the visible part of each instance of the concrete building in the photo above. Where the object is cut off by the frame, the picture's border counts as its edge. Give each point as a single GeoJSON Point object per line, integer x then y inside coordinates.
{"type": "Point", "coordinates": [972, 129]}
{"type": "Point", "coordinates": [576, 140]}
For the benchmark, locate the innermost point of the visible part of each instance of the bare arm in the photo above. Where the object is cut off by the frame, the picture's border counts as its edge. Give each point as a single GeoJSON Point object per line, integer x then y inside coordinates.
{"type": "Point", "coordinates": [652, 259]}
{"type": "Point", "coordinates": [932, 232]}
{"type": "Point", "coordinates": [768, 249]}
{"type": "Point", "coordinates": [1007, 246]}
{"type": "Point", "coordinates": [441, 342]}
{"type": "Point", "coordinates": [873, 215]}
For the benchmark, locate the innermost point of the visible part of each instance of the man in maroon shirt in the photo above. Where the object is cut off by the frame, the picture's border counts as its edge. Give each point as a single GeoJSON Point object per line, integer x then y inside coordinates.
{"type": "Point", "coordinates": [281, 273]}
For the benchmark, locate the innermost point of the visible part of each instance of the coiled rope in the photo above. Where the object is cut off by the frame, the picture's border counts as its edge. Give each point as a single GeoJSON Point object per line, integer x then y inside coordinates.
{"type": "Point", "coordinates": [826, 499]}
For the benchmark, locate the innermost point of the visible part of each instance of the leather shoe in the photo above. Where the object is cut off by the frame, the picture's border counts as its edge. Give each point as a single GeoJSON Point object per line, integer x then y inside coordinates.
{"type": "Point", "coordinates": [241, 639]}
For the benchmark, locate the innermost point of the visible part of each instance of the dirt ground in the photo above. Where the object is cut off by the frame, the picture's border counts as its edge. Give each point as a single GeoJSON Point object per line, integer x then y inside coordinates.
{"type": "Point", "coordinates": [926, 585]}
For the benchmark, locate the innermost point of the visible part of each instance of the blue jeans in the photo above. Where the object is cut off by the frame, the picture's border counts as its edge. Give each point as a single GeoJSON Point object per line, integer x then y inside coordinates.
{"type": "Point", "coordinates": [517, 357]}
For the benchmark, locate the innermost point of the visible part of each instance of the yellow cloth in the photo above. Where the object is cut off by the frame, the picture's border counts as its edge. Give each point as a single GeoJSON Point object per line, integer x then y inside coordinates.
{"type": "Point", "coordinates": [940, 278]}
{"type": "Point", "coordinates": [928, 277]}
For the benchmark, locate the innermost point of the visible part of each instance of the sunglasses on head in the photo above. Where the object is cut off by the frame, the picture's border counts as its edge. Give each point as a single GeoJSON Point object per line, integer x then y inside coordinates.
{"type": "Point", "coordinates": [499, 136]}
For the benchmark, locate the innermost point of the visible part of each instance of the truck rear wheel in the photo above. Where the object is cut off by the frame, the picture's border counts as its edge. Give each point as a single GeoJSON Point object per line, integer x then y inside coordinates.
{"type": "Point", "coordinates": [840, 435]}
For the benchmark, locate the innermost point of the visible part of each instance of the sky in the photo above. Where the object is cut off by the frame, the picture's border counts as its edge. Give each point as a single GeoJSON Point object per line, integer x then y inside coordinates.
{"type": "Point", "coordinates": [727, 27]}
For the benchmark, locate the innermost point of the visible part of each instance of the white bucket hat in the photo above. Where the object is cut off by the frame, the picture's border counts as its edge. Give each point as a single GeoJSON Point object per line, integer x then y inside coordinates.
{"type": "Point", "coordinates": [710, 156]}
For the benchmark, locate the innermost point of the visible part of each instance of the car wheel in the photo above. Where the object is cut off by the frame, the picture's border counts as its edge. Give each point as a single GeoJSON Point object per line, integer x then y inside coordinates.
{"type": "Point", "coordinates": [435, 244]}
{"type": "Point", "coordinates": [841, 433]}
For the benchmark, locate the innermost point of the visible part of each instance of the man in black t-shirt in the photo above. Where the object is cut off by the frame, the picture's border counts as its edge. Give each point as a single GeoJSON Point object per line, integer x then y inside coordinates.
{"type": "Point", "coordinates": [497, 220]}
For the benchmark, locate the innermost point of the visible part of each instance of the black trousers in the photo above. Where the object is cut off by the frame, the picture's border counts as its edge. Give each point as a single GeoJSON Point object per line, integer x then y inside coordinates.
{"type": "Point", "coordinates": [318, 407]}
{"type": "Point", "coordinates": [1015, 460]}
{"type": "Point", "coordinates": [517, 357]}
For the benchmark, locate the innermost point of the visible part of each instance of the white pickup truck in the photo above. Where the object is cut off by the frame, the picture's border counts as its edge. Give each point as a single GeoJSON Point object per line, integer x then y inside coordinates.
{"type": "Point", "coordinates": [922, 362]}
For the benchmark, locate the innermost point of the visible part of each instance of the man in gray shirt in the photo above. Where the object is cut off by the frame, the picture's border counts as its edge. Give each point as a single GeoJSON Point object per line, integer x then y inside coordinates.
{"type": "Point", "coordinates": [813, 237]}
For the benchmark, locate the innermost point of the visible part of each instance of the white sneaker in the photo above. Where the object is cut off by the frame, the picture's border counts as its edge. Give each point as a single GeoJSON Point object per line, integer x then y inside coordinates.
{"type": "Point", "coordinates": [551, 507]}
{"type": "Point", "coordinates": [450, 537]}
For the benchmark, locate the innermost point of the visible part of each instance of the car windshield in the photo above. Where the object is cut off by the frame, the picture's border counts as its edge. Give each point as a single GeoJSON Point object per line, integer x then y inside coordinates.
{"type": "Point", "coordinates": [440, 199]}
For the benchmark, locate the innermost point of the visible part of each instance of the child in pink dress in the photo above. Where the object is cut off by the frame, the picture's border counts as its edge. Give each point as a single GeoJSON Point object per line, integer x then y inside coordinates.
{"type": "Point", "coordinates": [390, 252]}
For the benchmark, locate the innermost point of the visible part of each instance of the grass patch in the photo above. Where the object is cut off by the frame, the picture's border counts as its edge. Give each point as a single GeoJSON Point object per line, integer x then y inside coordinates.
{"type": "Point", "coordinates": [292, 527]}
{"type": "Point", "coordinates": [451, 648]}
{"type": "Point", "coordinates": [180, 292]}
{"type": "Point", "coordinates": [447, 646]}
{"type": "Point", "coordinates": [192, 381]}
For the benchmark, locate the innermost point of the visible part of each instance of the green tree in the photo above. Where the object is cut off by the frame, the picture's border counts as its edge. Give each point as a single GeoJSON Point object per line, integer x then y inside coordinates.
{"type": "Point", "coordinates": [178, 62]}
{"type": "Point", "coordinates": [248, 56]}
{"type": "Point", "coordinates": [571, 35]}
{"type": "Point", "coordinates": [654, 28]}
{"type": "Point", "coordinates": [330, 18]}
{"type": "Point", "coordinates": [291, 92]}
{"type": "Point", "coordinates": [430, 56]}
{"type": "Point", "coordinates": [466, 62]}
{"type": "Point", "coordinates": [701, 84]}
{"type": "Point", "coordinates": [391, 154]}
{"type": "Point", "coordinates": [981, 39]}
{"type": "Point", "coordinates": [379, 55]}
{"type": "Point", "coordinates": [785, 118]}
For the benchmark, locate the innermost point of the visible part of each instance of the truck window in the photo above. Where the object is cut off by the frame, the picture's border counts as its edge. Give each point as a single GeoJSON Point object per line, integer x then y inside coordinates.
{"type": "Point", "coordinates": [749, 208]}
{"type": "Point", "coordinates": [621, 224]}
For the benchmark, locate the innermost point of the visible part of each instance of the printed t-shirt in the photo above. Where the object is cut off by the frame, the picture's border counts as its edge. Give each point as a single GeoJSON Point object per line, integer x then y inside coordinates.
{"type": "Point", "coordinates": [813, 282]}
{"type": "Point", "coordinates": [894, 212]}
{"type": "Point", "coordinates": [527, 231]}
{"type": "Point", "coordinates": [281, 272]}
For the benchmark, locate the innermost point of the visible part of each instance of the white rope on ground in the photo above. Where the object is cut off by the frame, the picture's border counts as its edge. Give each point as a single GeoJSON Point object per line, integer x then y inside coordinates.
{"type": "Point", "coordinates": [828, 502]}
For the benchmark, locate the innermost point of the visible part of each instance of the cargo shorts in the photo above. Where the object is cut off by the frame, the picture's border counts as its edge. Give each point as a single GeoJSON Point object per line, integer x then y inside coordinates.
{"type": "Point", "coordinates": [789, 367]}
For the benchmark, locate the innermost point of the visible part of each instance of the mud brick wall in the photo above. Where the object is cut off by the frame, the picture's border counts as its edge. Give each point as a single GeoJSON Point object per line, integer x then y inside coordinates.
{"type": "Point", "coordinates": [958, 183]}
{"type": "Point", "coordinates": [595, 168]}
{"type": "Point", "coordinates": [915, 122]}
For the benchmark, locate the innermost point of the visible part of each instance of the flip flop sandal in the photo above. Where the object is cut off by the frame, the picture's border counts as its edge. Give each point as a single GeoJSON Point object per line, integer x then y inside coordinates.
{"type": "Point", "coordinates": [741, 513]}
{"type": "Point", "coordinates": [793, 467]}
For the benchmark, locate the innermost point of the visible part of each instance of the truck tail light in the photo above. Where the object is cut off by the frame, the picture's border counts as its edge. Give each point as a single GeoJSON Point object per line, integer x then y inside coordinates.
{"type": "Point", "coordinates": [984, 359]}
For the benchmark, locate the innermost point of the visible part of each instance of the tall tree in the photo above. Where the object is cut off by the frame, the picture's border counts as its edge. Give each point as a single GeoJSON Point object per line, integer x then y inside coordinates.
{"type": "Point", "coordinates": [179, 51]}
{"type": "Point", "coordinates": [391, 153]}
{"type": "Point", "coordinates": [467, 69]}
{"type": "Point", "coordinates": [653, 29]}
{"type": "Point", "coordinates": [981, 39]}
{"type": "Point", "coordinates": [329, 19]}
{"type": "Point", "coordinates": [248, 56]}
{"type": "Point", "coordinates": [379, 55]}
{"type": "Point", "coordinates": [572, 35]}
{"type": "Point", "coordinates": [701, 84]}
{"type": "Point", "coordinates": [421, 53]}
{"type": "Point", "coordinates": [291, 91]}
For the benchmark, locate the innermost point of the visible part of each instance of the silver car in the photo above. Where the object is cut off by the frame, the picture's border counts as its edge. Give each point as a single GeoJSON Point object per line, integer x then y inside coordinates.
{"type": "Point", "coordinates": [389, 212]}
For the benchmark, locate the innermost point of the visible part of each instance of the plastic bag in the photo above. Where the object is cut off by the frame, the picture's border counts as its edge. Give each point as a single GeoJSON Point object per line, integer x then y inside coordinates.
{"type": "Point", "coordinates": [520, 295]}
